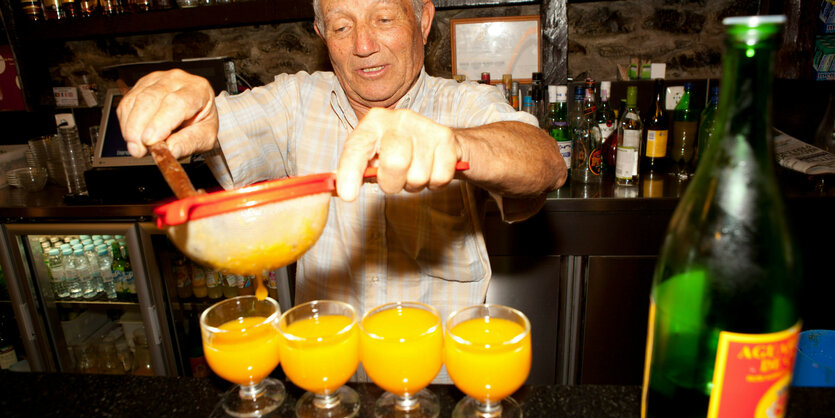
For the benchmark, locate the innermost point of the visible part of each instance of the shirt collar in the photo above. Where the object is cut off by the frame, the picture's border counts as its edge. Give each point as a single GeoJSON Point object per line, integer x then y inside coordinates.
{"type": "Point", "coordinates": [343, 109]}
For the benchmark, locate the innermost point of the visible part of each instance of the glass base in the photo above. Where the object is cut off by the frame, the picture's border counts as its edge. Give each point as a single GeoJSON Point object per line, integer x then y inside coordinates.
{"type": "Point", "coordinates": [254, 401]}
{"type": "Point", "coordinates": [423, 404]}
{"type": "Point", "coordinates": [470, 408]}
{"type": "Point", "coordinates": [344, 403]}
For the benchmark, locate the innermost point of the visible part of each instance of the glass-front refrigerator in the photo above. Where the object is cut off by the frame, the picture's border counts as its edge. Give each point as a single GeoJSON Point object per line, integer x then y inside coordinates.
{"type": "Point", "coordinates": [89, 298]}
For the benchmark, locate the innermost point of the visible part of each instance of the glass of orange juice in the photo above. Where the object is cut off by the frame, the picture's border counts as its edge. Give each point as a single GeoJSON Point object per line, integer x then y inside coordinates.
{"type": "Point", "coordinates": [401, 350]}
{"type": "Point", "coordinates": [241, 344]}
{"type": "Point", "coordinates": [487, 352]}
{"type": "Point", "coordinates": [319, 353]}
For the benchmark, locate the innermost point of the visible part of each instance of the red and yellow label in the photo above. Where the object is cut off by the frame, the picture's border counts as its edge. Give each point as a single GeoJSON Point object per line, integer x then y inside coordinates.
{"type": "Point", "coordinates": [752, 374]}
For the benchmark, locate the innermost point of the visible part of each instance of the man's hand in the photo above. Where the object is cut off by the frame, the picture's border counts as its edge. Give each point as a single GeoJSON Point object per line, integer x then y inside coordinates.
{"type": "Point", "coordinates": [411, 153]}
{"type": "Point", "coordinates": [172, 106]}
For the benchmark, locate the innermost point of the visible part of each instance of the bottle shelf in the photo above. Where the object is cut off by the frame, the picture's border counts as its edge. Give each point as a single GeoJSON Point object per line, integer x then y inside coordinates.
{"type": "Point", "coordinates": [171, 20]}
{"type": "Point", "coordinates": [95, 302]}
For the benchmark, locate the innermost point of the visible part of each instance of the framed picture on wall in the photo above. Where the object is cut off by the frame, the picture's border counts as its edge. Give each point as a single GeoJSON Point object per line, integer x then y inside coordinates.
{"type": "Point", "coordinates": [498, 45]}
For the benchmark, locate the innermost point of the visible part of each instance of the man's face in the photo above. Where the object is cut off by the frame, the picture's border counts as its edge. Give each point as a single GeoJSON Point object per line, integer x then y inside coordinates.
{"type": "Point", "coordinates": [375, 47]}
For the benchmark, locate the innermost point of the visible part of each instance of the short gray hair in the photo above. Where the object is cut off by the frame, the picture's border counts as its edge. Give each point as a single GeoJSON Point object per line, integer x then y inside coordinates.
{"type": "Point", "coordinates": [417, 6]}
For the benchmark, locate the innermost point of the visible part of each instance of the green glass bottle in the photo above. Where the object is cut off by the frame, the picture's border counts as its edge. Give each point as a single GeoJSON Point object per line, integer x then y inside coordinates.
{"type": "Point", "coordinates": [707, 121]}
{"type": "Point", "coordinates": [724, 318]}
{"type": "Point", "coordinates": [685, 135]}
{"type": "Point", "coordinates": [558, 121]}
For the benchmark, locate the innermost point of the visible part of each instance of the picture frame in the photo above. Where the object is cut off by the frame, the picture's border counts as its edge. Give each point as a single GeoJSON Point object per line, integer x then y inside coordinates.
{"type": "Point", "coordinates": [498, 45]}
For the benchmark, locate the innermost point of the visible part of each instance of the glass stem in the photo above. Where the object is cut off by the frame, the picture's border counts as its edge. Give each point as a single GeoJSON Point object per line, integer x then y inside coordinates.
{"type": "Point", "coordinates": [325, 401]}
{"type": "Point", "coordinates": [253, 391]}
{"type": "Point", "coordinates": [489, 409]}
{"type": "Point", "coordinates": [406, 403]}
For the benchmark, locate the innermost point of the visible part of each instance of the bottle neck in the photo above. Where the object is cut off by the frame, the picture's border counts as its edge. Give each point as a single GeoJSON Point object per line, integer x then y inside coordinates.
{"type": "Point", "coordinates": [745, 100]}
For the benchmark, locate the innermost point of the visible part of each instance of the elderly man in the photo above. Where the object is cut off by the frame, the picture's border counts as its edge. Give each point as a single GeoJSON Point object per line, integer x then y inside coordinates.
{"type": "Point", "coordinates": [416, 234]}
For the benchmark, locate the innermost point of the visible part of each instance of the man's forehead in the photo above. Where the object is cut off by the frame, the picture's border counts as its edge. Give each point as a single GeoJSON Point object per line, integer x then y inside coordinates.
{"type": "Point", "coordinates": [336, 6]}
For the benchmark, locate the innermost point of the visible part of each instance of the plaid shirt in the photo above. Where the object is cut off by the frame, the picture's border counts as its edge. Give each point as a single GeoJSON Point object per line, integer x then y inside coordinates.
{"type": "Point", "coordinates": [425, 246]}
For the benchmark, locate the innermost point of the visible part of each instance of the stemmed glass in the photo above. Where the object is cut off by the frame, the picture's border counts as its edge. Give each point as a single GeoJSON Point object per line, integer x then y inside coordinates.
{"type": "Point", "coordinates": [401, 349]}
{"type": "Point", "coordinates": [241, 344]}
{"type": "Point", "coordinates": [319, 353]}
{"type": "Point", "coordinates": [487, 352]}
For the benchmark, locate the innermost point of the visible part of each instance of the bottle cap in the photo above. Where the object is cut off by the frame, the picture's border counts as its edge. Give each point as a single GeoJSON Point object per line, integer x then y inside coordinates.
{"type": "Point", "coordinates": [632, 95]}
{"type": "Point", "coordinates": [605, 88]}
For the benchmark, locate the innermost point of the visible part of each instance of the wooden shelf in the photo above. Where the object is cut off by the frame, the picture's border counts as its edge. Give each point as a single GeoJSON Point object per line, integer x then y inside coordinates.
{"type": "Point", "coordinates": [172, 20]}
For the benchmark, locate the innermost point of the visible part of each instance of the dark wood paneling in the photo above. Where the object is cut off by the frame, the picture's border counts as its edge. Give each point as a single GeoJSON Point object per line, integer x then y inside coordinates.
{"type": "Point", "coordinates": [531, 285]}
{"type": "Point", "coordinates": [617, 305]}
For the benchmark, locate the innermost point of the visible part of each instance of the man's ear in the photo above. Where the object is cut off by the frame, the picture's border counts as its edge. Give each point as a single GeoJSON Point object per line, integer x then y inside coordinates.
{"type": "Point", "coordinates": [316, 28]}
{"type": "Point", "coordinates": [426, 19]}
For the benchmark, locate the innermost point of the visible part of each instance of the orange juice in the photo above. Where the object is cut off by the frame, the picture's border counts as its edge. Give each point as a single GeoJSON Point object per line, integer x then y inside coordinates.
{"type": "Point", "coordinates": [260, 290]}
{"type": "Point", "coordinates": [316, 356]}
{"type": "Point", "coordinates": [246, 353]}
{"type": "Point", "coordinates": [488, 369]}
{"type": "Point", "coordinates": [403, 354]}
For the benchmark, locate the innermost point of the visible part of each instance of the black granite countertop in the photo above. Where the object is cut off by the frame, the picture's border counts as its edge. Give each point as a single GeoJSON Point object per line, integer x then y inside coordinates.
{"type": "Point", "coordinates": [68, 394]}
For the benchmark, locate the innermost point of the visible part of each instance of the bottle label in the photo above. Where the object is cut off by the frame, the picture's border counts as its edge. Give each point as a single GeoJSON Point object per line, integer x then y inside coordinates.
{"type": "Point", "coordinates": [656, 143]}
{"type": "Point", "coordinates": [566, 148]}
{"type": "Point", "coordinates": [606, 129]}
{"type": "Point", "coordinates": [753, 373]}
{"type": "Point", "coordinates": [625, 164]}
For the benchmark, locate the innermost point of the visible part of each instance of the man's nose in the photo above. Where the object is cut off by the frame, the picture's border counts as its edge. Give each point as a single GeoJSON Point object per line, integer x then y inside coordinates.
{"type": "Point", "coordinates": [365, 40]}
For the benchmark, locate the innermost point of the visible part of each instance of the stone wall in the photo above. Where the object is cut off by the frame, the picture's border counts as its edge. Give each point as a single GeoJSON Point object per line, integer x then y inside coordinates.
{"type": "Point", "coordinates": [685, 34]}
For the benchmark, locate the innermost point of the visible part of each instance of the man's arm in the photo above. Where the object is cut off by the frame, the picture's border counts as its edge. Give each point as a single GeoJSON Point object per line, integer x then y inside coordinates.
{"type": "Point", "coordinates": [513, 160]}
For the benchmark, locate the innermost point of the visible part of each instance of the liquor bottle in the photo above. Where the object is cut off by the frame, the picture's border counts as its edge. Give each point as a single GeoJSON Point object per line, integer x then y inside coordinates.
{"type": "Point", "coordinates": [630, 128]}
{"type": "Point", "coordinates": [87, 8]}
{"type": "Point", "coordinates": [558, 121]}
{"type": "Point", "coordinates": [825, 133]}
{"type": "Point", "coordinates": [52, 10]}
{"type": "Point", "coordinates": [230, 285]}
{"type": "Point", "coordinates": [119, 272]}
{"type": "Point", "coordinates": [576, 118]}
{"type": "Point", "coordinates": [485, 78]}
{"type": "Point", "coordinates": [213, 286]}
{"type": "Point", "coordinates": [724, 320]}
{"type": "Point", "coordinates": [527, 104]}
{"type": "Point", "coordinates": [537, 92]}
{"type": "Point", "coordinates": [707, 121]}
{"type": "Point", "coordinates": [657, 128]}
{"type": "Point", "coordinates": [607, 123]}
{"type": "Point", "coordinates": [182, 275]}
{"type": "Point", "coordinates": [537, 107]}
{"type": "Point", "coordinates": [198, 281]}
{"type": "Point", "coordinates": [685, 135]}
{"type": "Point", "coordinates": [70, 9]}
{"type": "Point", "coordinates": [32, 10]}
{"type": "Point", "coordinates": [507, 82]}
{"type": "Point", "coordinates": [587, 153]}
{"type": "Point", "coordinates": [514, 96]}
{"type": "Point", "coordinates": [130, 283]}
{"type": "Point", "coordinates": [106, 271]}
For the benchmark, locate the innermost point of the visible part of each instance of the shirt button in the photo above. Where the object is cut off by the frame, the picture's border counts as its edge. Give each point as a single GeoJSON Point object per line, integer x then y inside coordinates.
{"type": "Point", "coordinates": [374, 279]}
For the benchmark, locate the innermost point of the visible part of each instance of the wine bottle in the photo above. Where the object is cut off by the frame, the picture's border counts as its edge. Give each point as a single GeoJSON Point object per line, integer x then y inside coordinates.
{"type": "Point", "coordinates": [558, 121]}
{"type": "Point", "coordinates": [724, 319]}
{"type": "Point", "coordinates": [685, 135]}
{"type": "Point", "coordinates": [629, 141]}
{"type": "Point", "coordinates": [656, 131]}
{"type": "Point", "coordinates": [608, 124]}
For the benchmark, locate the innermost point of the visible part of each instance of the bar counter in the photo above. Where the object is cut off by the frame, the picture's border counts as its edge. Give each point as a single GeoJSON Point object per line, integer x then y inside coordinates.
{"type": "Point", "coordinates": [53, 394]}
